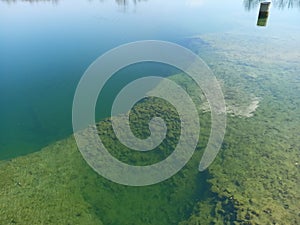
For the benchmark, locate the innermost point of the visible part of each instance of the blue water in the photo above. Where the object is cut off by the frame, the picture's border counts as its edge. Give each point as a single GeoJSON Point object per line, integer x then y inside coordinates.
{"type": "Point", "coordinates": [45, 47]}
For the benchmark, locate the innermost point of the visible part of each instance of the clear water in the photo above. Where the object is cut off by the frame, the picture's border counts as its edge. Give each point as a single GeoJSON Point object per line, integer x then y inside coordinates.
{"type": "Point", "coordinates": [46, 46]}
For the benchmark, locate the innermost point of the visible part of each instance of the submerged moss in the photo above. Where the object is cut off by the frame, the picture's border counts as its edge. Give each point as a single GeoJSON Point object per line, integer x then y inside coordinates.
{"type": "Point", "coordinates": [44, 188]}
{"type": "Point", "coordinates": [56, 186]}
{"type": "Point", "coordinates": [254, 180]}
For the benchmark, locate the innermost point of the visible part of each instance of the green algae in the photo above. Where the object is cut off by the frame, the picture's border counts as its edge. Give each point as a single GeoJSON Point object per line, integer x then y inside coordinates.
{"type": "Point", "coordinates": [56, 186]}
{"type": "Point", "coordinates": [254, 179]}
{"type": "Point", "coordinates": [42, 188]}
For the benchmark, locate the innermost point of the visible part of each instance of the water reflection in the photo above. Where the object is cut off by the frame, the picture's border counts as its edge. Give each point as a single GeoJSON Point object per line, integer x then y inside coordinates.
{"type": "Point", "coordinates": [119, 2]}
{"type": "Point", "coordinates": [126, 2]}
{"type": "Point", "coordinates": [281, 4]}
{"type": "Point", "coordinates": [263, 14]}
{"type": "Point", "coordinates": [248, 4]}
{"type": "Point", "coordinates": [30, 1]}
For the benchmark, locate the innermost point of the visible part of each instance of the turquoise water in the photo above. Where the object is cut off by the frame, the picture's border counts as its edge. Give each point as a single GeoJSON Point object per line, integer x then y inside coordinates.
{"type": "Point", "coordinates": [47, 45]}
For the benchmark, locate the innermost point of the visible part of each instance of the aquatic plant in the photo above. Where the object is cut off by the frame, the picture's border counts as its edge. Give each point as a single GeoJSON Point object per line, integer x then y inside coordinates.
{"type": "Point", "coordinates": [254, 179]}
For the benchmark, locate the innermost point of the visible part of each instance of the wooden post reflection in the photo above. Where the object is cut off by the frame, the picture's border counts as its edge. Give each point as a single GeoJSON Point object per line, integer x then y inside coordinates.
{"type": "Point", "coordinates": [263, 14]}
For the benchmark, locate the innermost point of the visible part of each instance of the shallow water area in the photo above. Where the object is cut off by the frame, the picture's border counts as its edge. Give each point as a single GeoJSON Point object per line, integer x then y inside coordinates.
{"type": "Point", "coordinates": [46, 46]}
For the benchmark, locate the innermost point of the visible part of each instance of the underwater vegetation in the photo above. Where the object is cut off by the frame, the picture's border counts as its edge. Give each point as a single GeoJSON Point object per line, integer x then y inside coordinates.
{"type": "Point", "coordinates": [254, 179]}
{"type": "Point", "coordinates": [56, 186]}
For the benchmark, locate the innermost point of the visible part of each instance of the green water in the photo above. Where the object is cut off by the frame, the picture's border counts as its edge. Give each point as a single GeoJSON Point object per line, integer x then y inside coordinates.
{"type": "Point", "coordinates": [47, 45]}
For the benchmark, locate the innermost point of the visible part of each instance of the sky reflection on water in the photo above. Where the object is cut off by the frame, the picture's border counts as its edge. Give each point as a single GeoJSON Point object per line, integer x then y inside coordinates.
{"type": "Point", "coordinates": [47, 45]}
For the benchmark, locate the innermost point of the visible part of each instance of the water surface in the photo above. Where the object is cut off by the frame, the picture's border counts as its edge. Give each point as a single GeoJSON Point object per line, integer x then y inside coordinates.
{"type": "Point", "coordinates": [45, 47]}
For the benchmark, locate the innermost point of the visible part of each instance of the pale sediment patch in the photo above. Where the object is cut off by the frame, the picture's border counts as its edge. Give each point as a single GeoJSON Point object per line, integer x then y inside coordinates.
{"type": "Point", "coordinates": [235, 109]}
{"type": "Point", "coordinates": [244, 110]}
